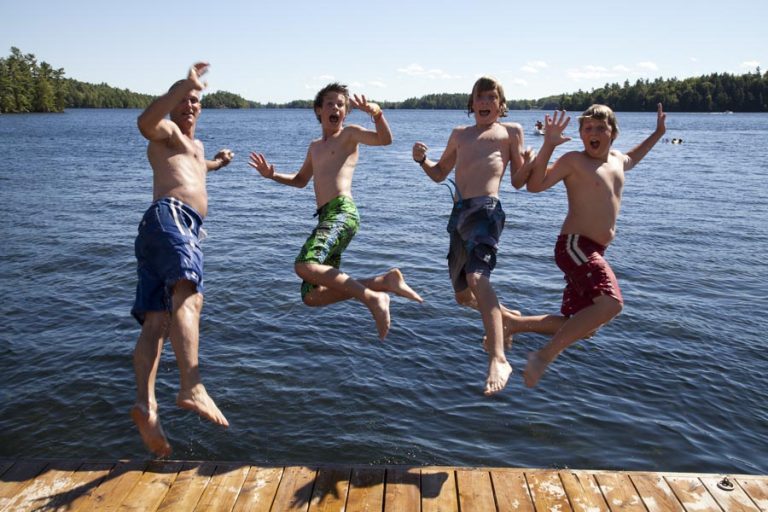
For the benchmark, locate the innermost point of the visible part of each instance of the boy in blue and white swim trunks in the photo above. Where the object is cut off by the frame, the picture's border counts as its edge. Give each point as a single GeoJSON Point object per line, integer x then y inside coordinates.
{"type": "Point", "coordinates": [480, 154]}
{"type": "Point", "coordinates": [331, 161]}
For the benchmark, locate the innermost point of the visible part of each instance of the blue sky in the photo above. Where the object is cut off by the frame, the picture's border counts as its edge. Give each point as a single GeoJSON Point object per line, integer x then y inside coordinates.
{"type": "Point", "coordinates": [284, 50]}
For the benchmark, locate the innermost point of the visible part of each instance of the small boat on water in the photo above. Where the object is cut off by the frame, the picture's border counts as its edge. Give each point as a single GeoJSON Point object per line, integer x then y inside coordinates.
{"type": "Point", "coordinates": [538, 131]}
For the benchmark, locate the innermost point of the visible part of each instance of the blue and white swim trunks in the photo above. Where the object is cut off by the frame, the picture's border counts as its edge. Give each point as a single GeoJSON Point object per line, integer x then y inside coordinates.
{"type": "Point", "coordinates": [167, 251]}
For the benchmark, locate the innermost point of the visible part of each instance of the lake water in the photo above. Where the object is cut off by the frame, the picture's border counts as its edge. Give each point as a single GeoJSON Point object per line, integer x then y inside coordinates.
{"type": "Point", "coordinates": [678, 382]}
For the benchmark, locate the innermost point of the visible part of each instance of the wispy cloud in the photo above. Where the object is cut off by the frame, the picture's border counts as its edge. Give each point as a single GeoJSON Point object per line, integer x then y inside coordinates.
{"type": "Point", "coordinates": [750, 64]}
{"type": "Point", "coordinates": [317, 82]}
{"type": "Point", "coordinates": [418, 70]}
{"type": "Point", "coordinates": [377, 83]}
{"type": "Point", "coordinates": [519, 81]}
{"type": "Point", "coordinates": [534, 66]}
{"type": "Point", "coordinates": [648, 66]}
{"type": "Point", "coordinates": [589, 72]}
{"type": "Point", "coordinates": [694, 59]}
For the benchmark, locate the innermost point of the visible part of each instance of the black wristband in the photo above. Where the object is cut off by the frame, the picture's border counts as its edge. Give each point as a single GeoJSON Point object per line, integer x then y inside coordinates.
{"type": "Point", "coordinates": [421, 161]}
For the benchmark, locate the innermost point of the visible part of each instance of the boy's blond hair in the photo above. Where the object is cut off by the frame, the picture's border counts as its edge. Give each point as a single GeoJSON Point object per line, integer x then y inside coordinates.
{"type": "Point", "coordinates": [333, 87]}
{"type": "Point", "coordinates": [601, 113]}
{"type": "Point", "coordinates": [487, 83]}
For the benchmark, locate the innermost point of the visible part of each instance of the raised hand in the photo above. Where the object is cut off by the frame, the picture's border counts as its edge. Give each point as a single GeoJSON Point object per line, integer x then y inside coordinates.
{"type": "Point", "coordinates": [554, 127]}
{"type": "Point", "coordinates": [661, 119]}
{"type": "Point", "coordinates": [224, 156]}
{"type": "Point", "coordinates": [258, 162]}
{"type": "Point", "coordinates": [197, 70]}
{"type": "Point", "coordinates": [419, 152]}
{"type": "Point", "coordinates": [361, 103]}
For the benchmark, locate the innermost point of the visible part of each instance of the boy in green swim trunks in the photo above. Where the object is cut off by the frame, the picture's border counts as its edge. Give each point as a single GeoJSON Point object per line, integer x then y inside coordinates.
{"type": "Point", "coordinates": [480, 154]}
{"type": "Point", "coordinates": [331, 161]}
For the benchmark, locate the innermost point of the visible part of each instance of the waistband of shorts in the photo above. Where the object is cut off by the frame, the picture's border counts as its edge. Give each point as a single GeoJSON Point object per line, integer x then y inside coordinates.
{"type": "Point", "coordinates": [336, 202]}
{"type": "Point", "coordinates": [172, 202]}
{"type": "Point", "coordinates": [582, 240]}
{"type": "Point", "coordinates": [470, 202]}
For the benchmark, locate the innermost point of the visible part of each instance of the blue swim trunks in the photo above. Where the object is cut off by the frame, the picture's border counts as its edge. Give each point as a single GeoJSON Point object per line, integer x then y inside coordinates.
{"type": "Point", "coordinates": [167, 251]}
{"type": "Point", "coordinates": [475, 227]}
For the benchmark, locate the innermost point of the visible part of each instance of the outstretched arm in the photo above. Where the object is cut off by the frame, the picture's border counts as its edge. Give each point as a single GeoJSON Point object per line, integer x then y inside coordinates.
{"type": "Point", "coordinates": [221, 159]}
{"type": "Point", "coordinates": [383, 135]}
{"type": "Point", "coordinates": [638, 152]}
{"type": "Point", "coordinates": [298, 179]}
{"type": "Point", "coordinates": [523, 173]}
{"type": "Point", "coordinates": [152, 123]}
{"type": "Point", "coordinates": [439, 170]}
{"type": "Point", "coordinates": [544, 176]}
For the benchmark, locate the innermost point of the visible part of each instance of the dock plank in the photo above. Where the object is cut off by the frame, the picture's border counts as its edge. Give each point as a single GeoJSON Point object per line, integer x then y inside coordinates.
{"type": "Point", "coordinates": [693, 495]}
{"type": "Point", "coordinates": [20, 475]}
{"type": "Point", "coordinates": [619, 492]}
{"type": "Point", "coordinates": [366, 490]}
{"type": "Point", "coordinates": [438, 490]}
{"type": "Point", "coordinates": [85, 481]}
{"type": "Point", "coordinates": [547, 491]}
{"type": "Point", "coordinates": [732, 501]}
{"type": "Point", "coordinates": [151, 488]}
{"type": "Point", "coordinates": [220, 495]}
{"type": "Point", "coordinates": [114, 487]}
{"type": "Point", "coordinates": [656, 493]}
{"type": "Point", "coordinates": [258, 490]}
{"type": "Point", "coordinates": [511, 490]}
{"type": "Point", "coordinates": [475, 490]}
{"type": "Point", "coordinates": [402, 490]}
{"type": "Point", "coordinates": [188, 487]}
{"type": "Point", "coordinates": [331, 489]}
{"type": "Point", "coordinates": [295, 489]}
{"type": "Point", "coordinates": [757, 489]}
{"type": "Point", "coordinates": [583, 491]}
{"type": "Point", "coordinates": [54, 479]}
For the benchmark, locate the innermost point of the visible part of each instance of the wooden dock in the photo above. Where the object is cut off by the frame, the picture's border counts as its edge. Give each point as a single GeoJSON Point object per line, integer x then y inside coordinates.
{"type": "Point", "coordinates": [227, 486]}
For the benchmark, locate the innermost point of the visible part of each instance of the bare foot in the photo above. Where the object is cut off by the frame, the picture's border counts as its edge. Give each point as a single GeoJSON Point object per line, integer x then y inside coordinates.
{"type": "Point", "coordinates": [498, 375]}
{"type": "Point", "coordinates": [380, 309]}
{"type": "Point", "coordinates": [395, 282]}
{"type": "Point", "coordinates": [150, 429]}
{"type": "Point", "coordinates": [534, 369]}
{"type": "Point", "coordinates": [508, 331]}
{"type": "Point", "coordinates": [198, 400]}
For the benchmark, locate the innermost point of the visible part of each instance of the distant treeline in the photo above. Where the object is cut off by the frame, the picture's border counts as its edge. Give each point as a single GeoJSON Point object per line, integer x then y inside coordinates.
{"type": "Point", "coordinates": [26, 86]}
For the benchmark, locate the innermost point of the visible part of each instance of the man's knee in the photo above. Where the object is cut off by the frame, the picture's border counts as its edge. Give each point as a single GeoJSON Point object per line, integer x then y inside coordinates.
{"type": "Point", "coordinates": [610, 306]}
{"type": "Point", "coordinates": [465, 298]}
{"type": "Point", "coordinates": [475, 280]}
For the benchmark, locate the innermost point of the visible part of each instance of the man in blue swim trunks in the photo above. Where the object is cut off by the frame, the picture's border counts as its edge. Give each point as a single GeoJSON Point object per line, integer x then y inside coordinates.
{"type": "Point", "coordinates": [169, 294]}
{"type": "Point", "coordinates": [331, 161]}
{"type": "Point", "coordinates": [480, 154]}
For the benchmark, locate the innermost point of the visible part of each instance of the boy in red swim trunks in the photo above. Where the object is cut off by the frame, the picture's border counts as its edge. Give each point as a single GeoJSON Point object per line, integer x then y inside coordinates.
{"type": "Point", "coordinates": [594, 179]}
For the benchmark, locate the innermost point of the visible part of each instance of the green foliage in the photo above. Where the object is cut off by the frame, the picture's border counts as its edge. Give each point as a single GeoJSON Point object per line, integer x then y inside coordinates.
{"type": "Point", "coordinates": [26, 86]}
{"type": "Point", "coordinates": [224, 99]}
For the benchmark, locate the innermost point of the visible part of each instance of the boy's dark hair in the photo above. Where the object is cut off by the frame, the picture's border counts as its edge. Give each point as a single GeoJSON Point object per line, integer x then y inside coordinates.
{"type": "Point", "coordinates": [601, 113]}
{"type": "Point", "coordinates": [332, 87]}
{"type": "Point", "coordinates": [487, 83]}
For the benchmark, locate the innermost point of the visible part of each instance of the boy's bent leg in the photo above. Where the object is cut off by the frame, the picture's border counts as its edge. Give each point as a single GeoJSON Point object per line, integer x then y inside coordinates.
{"type": "Point", "coordinates": [187, 304]}
{"type": "Point", "coordinates": [392, 281]}
{"type": "Point", "coordinates": [146, 358]}
{"type": "Point", "coordinates": [499, 368]}
{"type": "Point", "coordinates": [333, 285]}
{"type": "Point", "coordinates": [580, 325]}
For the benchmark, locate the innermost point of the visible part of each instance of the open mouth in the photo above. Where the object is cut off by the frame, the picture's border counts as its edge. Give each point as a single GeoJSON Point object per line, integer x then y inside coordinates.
{"type": "Point", "coordinates": [334, 118]}
{"type": "Point", "coordinates": [594, 144]}
{"type": "Point", "coordinates": [484, 112]}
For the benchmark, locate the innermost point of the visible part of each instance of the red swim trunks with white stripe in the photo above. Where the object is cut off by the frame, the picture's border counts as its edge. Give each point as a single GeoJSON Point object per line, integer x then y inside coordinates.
{"type": "Point", "coordinates": [587, 273]}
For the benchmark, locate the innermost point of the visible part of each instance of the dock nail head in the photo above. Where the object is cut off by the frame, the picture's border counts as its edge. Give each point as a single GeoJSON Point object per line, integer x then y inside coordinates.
{"type": "Point", "coordinates": [725, 484]}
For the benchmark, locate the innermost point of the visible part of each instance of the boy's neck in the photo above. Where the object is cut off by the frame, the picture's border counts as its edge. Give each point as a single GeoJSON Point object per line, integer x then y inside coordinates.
{"type": "Point", "coordinates": [330, 132]}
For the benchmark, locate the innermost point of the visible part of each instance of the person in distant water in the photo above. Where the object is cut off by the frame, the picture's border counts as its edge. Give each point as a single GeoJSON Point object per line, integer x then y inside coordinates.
{"type": "Point", "coordinates": [594, 180]}
{"type": "Point", "coordinates": [539, 127]}
{"type": "Point", "coordinates": [169, 294]}
{"type": "Point", "coordinates": [480, 153]}
{"type": "Point", "coordinates": [331, 161]}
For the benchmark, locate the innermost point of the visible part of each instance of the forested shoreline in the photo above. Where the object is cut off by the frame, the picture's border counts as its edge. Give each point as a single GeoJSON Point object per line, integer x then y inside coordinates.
{"type": "Point", "coordinates": [29, 86]}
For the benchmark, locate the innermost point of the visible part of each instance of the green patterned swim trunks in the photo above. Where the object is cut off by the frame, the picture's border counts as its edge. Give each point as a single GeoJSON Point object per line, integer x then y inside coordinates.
{"type": "Point", "coordinates": [337, 223]}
